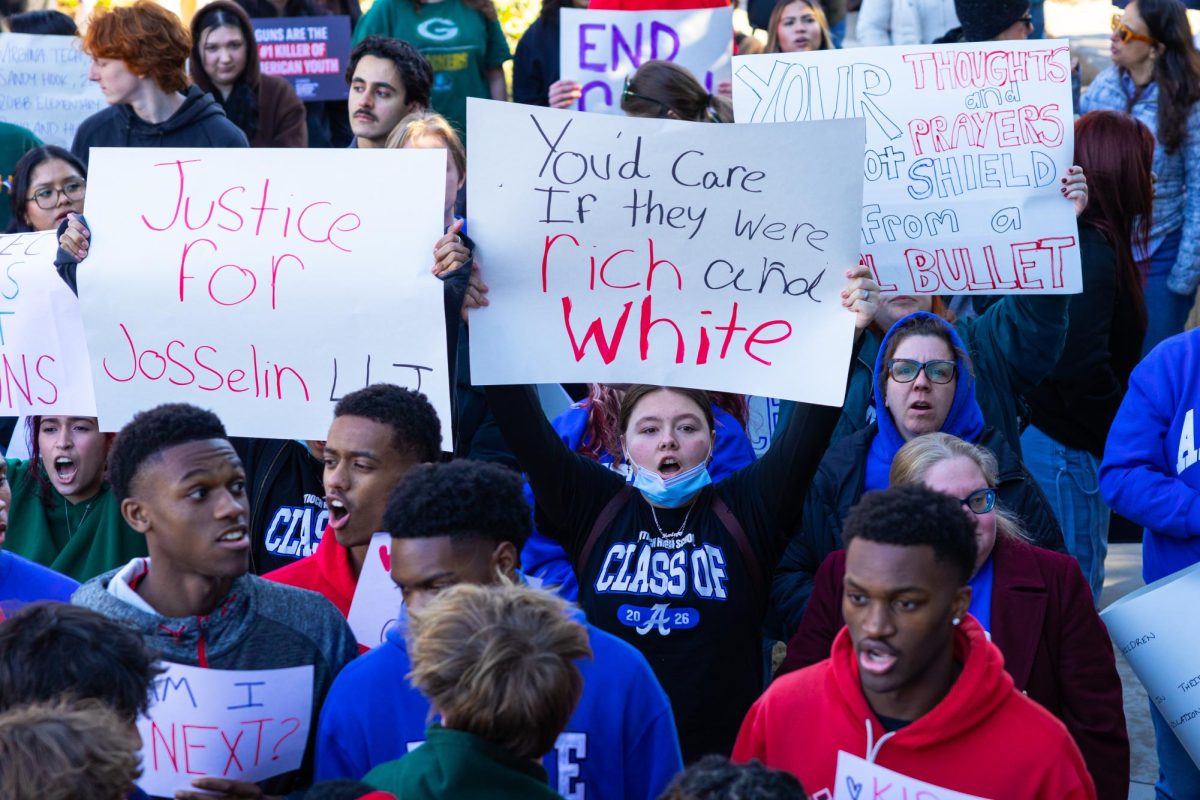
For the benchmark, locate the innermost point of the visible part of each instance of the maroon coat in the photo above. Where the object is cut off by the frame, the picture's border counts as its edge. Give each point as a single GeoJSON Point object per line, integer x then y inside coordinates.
{"type": "Point", "coordinates": [1054, 644]}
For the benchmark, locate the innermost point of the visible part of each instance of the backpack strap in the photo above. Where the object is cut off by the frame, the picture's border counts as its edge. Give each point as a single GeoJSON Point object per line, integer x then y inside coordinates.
{"type": "Point", "coordinates": [753, 566]}
{"type": "Point", "coordinates": [605, 518]}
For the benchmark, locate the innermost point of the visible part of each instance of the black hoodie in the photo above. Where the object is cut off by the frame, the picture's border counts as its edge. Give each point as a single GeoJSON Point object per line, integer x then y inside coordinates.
{"type": "Point", "coordinates": [199, 122]}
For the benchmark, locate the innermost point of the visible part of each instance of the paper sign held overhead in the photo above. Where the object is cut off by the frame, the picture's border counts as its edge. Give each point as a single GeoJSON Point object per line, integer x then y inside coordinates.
{"type": "Point", "coordinates": [656, 251]}
{"type": "Point", "coordinates": [966, 148]}
{"type": "Point", "coordinates": [242, 285]}
{"type": "Point", "coordinates": [44, 365]}
{"type": "Point", "coordinates": [600, 49]}
{"type": "Point", "coordinates": [1154, 630]}
{"type": "Point", "coordinates": [242, 725]}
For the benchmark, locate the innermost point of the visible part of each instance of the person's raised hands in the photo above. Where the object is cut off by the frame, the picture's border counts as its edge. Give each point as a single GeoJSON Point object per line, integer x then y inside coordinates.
{"type": "Point", "coordinates": [75, 237]}
{"type": "Point", "coordinates": [564, 93]}
{"type": "Point", "coordinates": [861, 296]}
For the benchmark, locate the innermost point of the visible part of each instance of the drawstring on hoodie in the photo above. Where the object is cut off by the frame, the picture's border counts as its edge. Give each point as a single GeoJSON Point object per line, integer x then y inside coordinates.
{"type": "Point", "coordinates": [874, 747]}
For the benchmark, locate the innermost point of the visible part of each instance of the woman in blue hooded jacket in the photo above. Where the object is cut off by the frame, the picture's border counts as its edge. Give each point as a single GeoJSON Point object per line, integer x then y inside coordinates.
{"type": "Point", "coordinates": [925, 382]}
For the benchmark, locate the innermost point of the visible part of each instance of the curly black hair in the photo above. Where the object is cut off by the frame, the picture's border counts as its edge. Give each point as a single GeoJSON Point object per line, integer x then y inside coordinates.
{"type": "Point", "coordinates": [459, 498]}
{"type": "Point", "coordinates": [418, 432]}
{"type": "Point", "coordinates": [716, 778]}
{"type": "Point", "coordinates": [912, 515]}
{"type": "Point", "coordinates": [150, 432]}
{"type": "Point", "coordinates": [416, 73]}
{"type": "Point", "coordinates": [52, 650]}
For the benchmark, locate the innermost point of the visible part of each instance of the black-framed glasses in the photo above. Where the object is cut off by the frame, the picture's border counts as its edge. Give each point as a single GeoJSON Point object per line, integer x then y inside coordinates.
{"type": "Point", "coordinates": [980, 501]}
{"type": "Point", "coordinates": [47, 196]}
{"type": "Point", "coordinates": [1028, 20]}
{"type": "Point", "coordinates": [905, 370]}
{"type": "Point", "coordinates": [664, 109]}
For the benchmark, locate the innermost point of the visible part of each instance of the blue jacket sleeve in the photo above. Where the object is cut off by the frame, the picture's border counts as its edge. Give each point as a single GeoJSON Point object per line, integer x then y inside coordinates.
{"type": "Point", "coordinates": [1185, 275]}
{"type": "Point", "coordinates": [652, 755]}
{"type": "Point", "coordinates": [341, 749]}
{"type": "Point", "coordinates": [1136, 479]}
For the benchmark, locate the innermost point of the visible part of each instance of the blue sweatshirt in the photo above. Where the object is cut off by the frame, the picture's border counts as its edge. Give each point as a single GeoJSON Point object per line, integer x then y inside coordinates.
{"type": "Point", "coordinates": [1149, 473]}
{"type": "Point", "coordinates": [620, 742]}
{"type": "Point", "coordinates": [23, 582]}
{"type": "Point", "coordinates": [544, 559]}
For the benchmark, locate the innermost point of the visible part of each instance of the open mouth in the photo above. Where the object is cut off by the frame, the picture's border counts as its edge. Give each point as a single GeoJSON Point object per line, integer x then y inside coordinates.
{"type": "Point", "coordinates": [876, 659]}
{"type": "Point", "coordinates": [669, 466]}
{"type": "Point", "coordinates": [235, 539]}
{"type": "Point", "coordinates": [339, 515]}
{"type": "Point", "coordinates": [66, 469]}
{"type": "Point", "coordinates": [921, 405]}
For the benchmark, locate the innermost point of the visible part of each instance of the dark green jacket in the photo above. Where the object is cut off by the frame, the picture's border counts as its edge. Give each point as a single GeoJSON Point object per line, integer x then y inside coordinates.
{"type": "Point", "coordinates": [1013, 345]}
{"type": "Point", "coordinates": [463, 766]}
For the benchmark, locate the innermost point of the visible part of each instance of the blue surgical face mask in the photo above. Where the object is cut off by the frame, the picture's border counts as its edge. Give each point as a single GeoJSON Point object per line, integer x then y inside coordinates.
{"type": "Point", "coordinates": [673, 492]}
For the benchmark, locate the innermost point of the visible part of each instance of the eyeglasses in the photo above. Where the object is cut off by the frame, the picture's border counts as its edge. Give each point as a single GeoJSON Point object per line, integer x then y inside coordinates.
{"type": "Point", "coordinates": [47, 197]}
{"type": "Point", "coordinates": [1028, 20]}
{"type": "Point", "coordinates": [980, 501]}
{"type": "Point", "coordinates": [904, 370]}
{"type": "Point", "coordinates": [1127, 36]}
{"type": "Point", "coordinates": [664, 109]}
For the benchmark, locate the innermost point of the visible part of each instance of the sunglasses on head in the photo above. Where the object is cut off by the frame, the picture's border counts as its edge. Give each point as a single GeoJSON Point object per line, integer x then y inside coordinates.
{"type": "Point", "coordinates": [1127, 36]}
{"type": "Point", "coordinates": [980, 501]}
{"type": "Point", "coordinates": [664, 109]}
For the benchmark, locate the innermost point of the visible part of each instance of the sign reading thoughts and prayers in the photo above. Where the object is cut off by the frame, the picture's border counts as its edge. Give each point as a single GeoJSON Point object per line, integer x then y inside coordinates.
{"type": "Point", "coordinates": [966, 148]}
{"type": "Point", "coordinates": [248, 286]}
{"type": "Point", "coordinates": [43, 355]}
{"type": "Point", "coordinates": [242, 725]}
{"type": "Point", "coordinates": [1153, 629]}
{"type": "Point", "coordinates": [600, 49]}
{"type": "Point", "coordinates": [44, 85]}
{"type": "Point", "coordinates": [656, 251]}
{"type": "Point", "coordinates": [858, 779]}
{"type": "Point", "coordinates": [310, 52]}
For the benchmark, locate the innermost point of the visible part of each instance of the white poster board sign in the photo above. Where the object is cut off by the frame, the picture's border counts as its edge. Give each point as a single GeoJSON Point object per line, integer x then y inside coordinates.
{"type": "Point", "coordinates": [243, 725]}
{"type": "Point", "coordinates": [264, 286]}
{"type": "Point", "coordinates": [858, 779]}
{"type": "Point", "coordinates": [1154, 630]}
{"type": "Point", "coordinates": [966, 148]}
{"type": "Point", "coordinates": [600, 49]}
{"type": "Point", "coordinates": [377, 599]}
{"type": "Point", "coordinates": [44, 365]}
{"type": "Point", "coordinates": [44, 85]}
{"type": "Point", "coordinates": [626, 250]}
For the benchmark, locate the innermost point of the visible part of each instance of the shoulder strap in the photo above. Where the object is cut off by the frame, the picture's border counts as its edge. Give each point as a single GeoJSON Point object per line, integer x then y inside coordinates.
{"type": "Point", "coordinates": [610, 510]}
{"type": "Point", "coordinates": [753, 565]}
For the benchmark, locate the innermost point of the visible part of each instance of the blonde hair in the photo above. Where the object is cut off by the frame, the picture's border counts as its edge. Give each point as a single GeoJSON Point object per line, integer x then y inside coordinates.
{"type": "Point", "coordinates": [66, 751]}
{"type": "Point", "coordinates": [420, 124]}
{"type": "Point", "coordinates": [914, 460]}
{"type": "Point", "coordinates": [777, 17]}
{"type": "Point", "coordinates": [499, 662]}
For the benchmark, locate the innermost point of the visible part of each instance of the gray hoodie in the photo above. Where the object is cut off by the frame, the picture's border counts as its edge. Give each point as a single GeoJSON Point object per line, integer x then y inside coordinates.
{"type": "Point", "coordinates": [259, 625]}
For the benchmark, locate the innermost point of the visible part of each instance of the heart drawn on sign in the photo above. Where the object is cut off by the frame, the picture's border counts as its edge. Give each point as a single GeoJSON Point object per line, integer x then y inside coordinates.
{"type": "Point", "coordinates": [855, 788]}
{"type": "Point", "coordinates": [385, 557]}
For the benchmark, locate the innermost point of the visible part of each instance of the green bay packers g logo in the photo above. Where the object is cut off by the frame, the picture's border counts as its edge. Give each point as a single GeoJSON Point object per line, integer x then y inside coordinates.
{"type": "Point", "coordinates": [438, 29]}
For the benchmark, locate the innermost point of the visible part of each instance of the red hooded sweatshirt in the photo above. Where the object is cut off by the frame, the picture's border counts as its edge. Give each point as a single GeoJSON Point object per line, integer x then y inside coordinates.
{"type": "Point", "coordinates": [984, 738]}
{"type": "Point", "coordinates": [326, 572]}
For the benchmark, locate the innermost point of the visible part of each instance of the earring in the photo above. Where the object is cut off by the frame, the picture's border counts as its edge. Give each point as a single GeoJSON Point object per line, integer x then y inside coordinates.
{"type": "Point", "coordinates": [956, 620]}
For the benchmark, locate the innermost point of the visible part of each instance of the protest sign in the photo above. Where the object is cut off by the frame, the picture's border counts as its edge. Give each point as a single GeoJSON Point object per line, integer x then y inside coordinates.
{"type": "Point", "coordinates": [600, 49]}
{"type": "Point", "coordinates": [263, 288]}
{"type": "Point", "coordinates": [966, 146]}
{"type": "Point", "coordinates": [858, 779]}
{"type": "Point", "coordinates": [1152, 628]}
{"type": "Point", "coordinates": [310, 52]}
{"type": "Point", "coordinates": [657, 251]}
{"type": "Point", "coordinates": [43, 353]}
{"type": "Point", "coordinates": [242, 725]}
{"type": "Point", "coordinates": [377, 599]}
{"type": "Point", "coordinates": [44, 85]}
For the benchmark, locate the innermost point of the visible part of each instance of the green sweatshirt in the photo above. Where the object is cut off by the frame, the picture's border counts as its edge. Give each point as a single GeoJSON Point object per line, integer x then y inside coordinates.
{"type": "Point", "coordinates": [463, 766]}
{"type": "Point", "coordinates": [80, 541]}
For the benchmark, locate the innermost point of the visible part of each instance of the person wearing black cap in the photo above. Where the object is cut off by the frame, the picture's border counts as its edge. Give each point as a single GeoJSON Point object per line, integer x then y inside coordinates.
{"type": "Point", "coordinates": [990, 20]}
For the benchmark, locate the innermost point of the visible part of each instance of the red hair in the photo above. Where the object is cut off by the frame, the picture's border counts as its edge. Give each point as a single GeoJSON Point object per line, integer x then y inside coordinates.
{"type": "Point", "coordinates": [150, 40]}
{"type": "Point", "coordinates": [1116, 152]}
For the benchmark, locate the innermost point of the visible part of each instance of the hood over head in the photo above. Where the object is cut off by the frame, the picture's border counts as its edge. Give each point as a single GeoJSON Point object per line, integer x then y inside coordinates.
{"type": "Point", "coordinates": [250, 75]}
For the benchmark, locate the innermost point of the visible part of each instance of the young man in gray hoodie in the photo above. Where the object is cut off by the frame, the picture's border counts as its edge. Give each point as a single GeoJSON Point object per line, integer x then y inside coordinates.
{"type": "Point", "coordinates": [181, 484]}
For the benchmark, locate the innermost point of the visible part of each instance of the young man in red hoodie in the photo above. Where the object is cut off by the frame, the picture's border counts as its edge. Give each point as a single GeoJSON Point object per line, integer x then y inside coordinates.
{"type": "Point", "coordinates": [378, 434]}
{"type": "Point", "coordinates": [912, 684]}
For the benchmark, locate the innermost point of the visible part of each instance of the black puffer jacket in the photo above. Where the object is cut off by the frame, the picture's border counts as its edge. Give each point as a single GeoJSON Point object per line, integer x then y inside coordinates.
{"type": "Point", "coordinates": [838, 485]}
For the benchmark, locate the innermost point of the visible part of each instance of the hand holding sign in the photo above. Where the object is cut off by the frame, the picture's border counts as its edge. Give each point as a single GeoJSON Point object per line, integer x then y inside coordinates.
{"type": "Point", "coordinates": [858, 779]}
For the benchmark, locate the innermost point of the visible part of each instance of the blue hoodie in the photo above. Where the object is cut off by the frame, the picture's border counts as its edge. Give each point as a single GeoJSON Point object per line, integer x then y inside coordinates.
{"type": "Point", "coordinates": [965, 419]}
{"type": "Point", "coordinates": [1149, 473]}
{"type": "Point", "coordinates": [23, 582]}
{"type": "Point", "coordinates": [620, 742]}
{"type": "Point", "coordinates": [544, 560]}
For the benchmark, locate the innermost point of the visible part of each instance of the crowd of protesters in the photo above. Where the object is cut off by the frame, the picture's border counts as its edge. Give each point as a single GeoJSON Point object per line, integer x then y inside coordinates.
{"type": "Point", "coordinates": [930, 554]}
